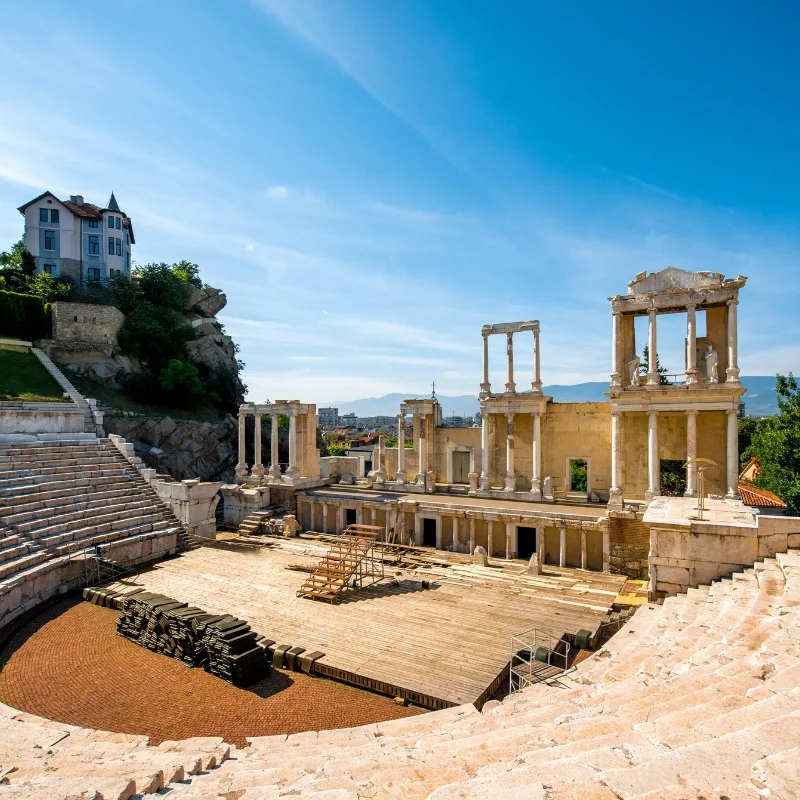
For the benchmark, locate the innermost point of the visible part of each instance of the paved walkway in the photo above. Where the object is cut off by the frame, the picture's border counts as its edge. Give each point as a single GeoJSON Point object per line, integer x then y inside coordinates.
{"type": "Point", "coordinates": [69, 665]}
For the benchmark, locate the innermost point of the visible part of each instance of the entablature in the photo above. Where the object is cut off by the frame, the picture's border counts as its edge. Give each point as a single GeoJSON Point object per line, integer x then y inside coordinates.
{"type": "Point", "coordinates": [516, 403]}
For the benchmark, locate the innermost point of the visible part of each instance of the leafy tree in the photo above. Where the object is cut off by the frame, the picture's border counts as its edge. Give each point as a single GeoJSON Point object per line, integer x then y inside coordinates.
{"type": "Point", "coordinates": [776, 445]}
{"type": "Point", "coordinates": [189, 273]}
{"type": "Point", "coordinates": [337, 449]}
{"type": "Point", "coordinates": [578, 475]}
{"type": "Point", "coordinates": [46, 287]}
{"type": "Point", "coordinates": [662, 371]}
{"type": "Point", "coordinates": [391, 441]}
{"type": "Point", "coordinates": [161, 286]}
{"type": "Point", "coordinates": [747, 429]}
{"type": "Point", "coordinates": [124, 292]}
{"type": "Point", "coordinates": [672, 477]}
{"type": "Point", "coordinates": [181, 385]}
{"type": "Point", "coordinates": [155, 335]}
{"type": "Point", "coordinates": [18, 258]}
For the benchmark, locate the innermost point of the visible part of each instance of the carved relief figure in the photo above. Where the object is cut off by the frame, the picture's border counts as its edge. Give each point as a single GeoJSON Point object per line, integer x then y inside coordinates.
{"type": "Point", "coordinates": [633, 370]}
{"type": "Point", "coordinates": [711, 365]}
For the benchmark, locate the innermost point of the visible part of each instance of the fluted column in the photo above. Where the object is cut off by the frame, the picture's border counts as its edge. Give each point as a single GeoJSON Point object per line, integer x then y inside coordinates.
{"type": "Point", "coordinates": [486, 387]}
{"type": "Point", "coordinates": [511, 387]}
{"type": "Point", "coordinates": [274, 467]}
{"type": "Point", "coordinates": [401, 448]}
{"type": "Point", "coordinates": [616, 492]}
{"type": "Point", "coordinates": [616, 369]}
{"type": "Point", "coordinates": [258, 467]}
{"type": "Point", "coordinates": [292, 470]}
{"type": "Point", "coordinates": [241, 466]}
{"type": "Point", "coordinates": [489, 536]}
{"type": "Point", "coordinates": [484, 450]}
{"type": "Point", "coordinates": [653, 463]}
{"type": "Point", "coordinates": [653, 378]}
{"type": "Point", "coordinates": [691, 345]}
{"type": "Point", "coordinates": [733, 455]}
{"type": "Point", "coordinates": [584, 555]}
{"type": "Point", "coordinates": [324, 517]}
{"type": "Point", "coordinates": [508, 540]}
{"type": "Point", "coordinates": [562, 545]}
{"type": "Point", "coordinates": [691, 454]}
{"type": "Point", "coordinates": [733, 348]}
{"type": "Point", "coordinates": [537, 363]}
{"type": "Point", "coordinates": [471, 535]}
{"type": "Point", "coordinates": [509, 487]}
{"type": "Point", "coordinates": [455, 534]}
{"type": "Point", "coordinates": [423, 460]}
{"type": "Point", "coordinates": [536, 480]}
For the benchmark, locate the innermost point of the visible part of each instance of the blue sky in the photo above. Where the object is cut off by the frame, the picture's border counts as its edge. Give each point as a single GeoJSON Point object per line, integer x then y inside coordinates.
{"type": "Point", "coordinates": [370, 181]}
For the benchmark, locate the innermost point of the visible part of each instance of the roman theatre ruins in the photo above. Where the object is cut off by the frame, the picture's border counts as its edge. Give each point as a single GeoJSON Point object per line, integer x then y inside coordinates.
{"type": "Point", "coordinates": [515, 610]}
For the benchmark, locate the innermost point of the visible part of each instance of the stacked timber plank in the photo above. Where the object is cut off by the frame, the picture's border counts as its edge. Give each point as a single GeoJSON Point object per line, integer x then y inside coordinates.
{"type": "Point", "coordinates": [223, 645]}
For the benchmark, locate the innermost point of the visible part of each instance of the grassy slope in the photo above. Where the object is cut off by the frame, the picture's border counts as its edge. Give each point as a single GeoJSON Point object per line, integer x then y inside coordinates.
{"type": "Point", "coordinates": [22, 377]}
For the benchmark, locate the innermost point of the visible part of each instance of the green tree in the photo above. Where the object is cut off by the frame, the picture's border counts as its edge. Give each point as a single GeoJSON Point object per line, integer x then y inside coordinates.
{"type": "Point", "coordinates": [18, 258]}
{"type": "Point", "coordinates": [747, 429]}
{"type": "Point", "coordinates": [46, 287]}
{"type": "Point", "coordinates": [776, 445]}
{"type": "Point", "coordinates": [189, 273]}
{"type": "Point", "coordinates": [160, 286]}
{"type": "Point", "coordinates": [662, 371]}
{"type": "Point", "coordinates": [125, 293]}
{"type": "Point", "coordinates": [155, 335]}
{"type": "Point", "coordinates": [181, 385]}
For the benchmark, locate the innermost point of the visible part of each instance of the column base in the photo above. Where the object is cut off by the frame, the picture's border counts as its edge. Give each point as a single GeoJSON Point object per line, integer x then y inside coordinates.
{"type": "Point", "coordinates": [733, 374]}
{"type": "Point", "coordinates": [400, 479]}
{"type": "Point", "coordinates": [536, 387]}
{"type": "Point", "coordinates": [616, 379]}
{"type": "Point", "coordinates": [653, 379]}
{"type": "Point", "coordinates": [241, 472]}
{"type": "Point", "coordinates": [257, 472]}
{"type": "Point", "coordinates": [510, 485]}
{"type": "Point", "coordinates": [615, 499]}
{"type": "Point", "coordinates": [419, 479]}
{"type": "Point", "coordinates": [693, 378]}
{"type": "Point", "coordinates": [274, 472]}
{"type": "Point", "coordinates": [511, 388]}
{"type": "Point", "coordinates": [292, 472]}
{"type": "Point", "coordinates": [690, 493]}
{"type": "Point", "coordinates": [380, 477]}
{"type": "Point", "coordinates": [484, 483]}
{"type": "Point", "coordinates": [649, 495]}
{"type": "Point", "coordinates": [536, 489]}
{"type": "Point", "coordinates": [731, 495]}
{"type": "Point", "coordinates": [473, 484]}
{"type": "Point", "coordinates": [486, 389]}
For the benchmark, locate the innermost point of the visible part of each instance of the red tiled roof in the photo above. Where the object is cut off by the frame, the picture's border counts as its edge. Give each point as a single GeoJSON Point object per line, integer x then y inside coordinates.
{"type": "Point", "coordinates": [87, 210]}
{"type": "Point", "coordinates": [756, 496]}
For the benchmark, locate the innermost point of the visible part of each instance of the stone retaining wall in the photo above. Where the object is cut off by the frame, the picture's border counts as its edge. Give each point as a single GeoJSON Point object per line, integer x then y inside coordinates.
{"type": "Point", "coordinates": [629, 539]}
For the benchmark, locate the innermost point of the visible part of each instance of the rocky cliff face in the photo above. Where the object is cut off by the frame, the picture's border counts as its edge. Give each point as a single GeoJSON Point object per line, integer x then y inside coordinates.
{"type": "Point", "coordinates": [181, 448]}
{"type": "Point", "coordinates": [211, 347]}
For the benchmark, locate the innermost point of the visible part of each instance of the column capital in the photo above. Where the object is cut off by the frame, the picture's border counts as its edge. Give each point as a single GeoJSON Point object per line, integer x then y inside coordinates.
{"type": "Point", "coordinates": [691, 306]}
{"type": "Point", "coordinates": [734, 301]}
{"type": "Point", "coordinates": [617, 412]}
{"type": "Point", "coordinates": [652, 413]}
{"type": "Point", "coordinates": [692, 412]}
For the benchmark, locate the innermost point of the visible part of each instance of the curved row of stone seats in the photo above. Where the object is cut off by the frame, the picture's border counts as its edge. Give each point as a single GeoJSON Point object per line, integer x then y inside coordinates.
{"type": "Point", "coordinates": [696, 698]}
{"type": "Point", "coordinates": [40, 758]}
{"type": "Point", "coordinates": [60, 499]}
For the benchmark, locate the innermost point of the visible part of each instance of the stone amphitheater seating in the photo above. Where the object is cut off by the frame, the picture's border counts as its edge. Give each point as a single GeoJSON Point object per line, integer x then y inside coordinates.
{"type": "Point", "coordinates": [60, 498]}
{"type": "Point", "coordinates": [698, 697]}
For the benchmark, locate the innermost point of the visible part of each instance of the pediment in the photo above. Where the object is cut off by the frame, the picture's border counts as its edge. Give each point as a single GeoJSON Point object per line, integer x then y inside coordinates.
{"type": "Point", "coordinates": [672, 279]}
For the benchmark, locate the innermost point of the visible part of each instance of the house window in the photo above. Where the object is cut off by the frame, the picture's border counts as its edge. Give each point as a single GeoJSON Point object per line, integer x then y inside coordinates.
{"type": "Point", "coordinates": [119, 222]}
{"type": "Point", "coordinates": [127, 239]}
{"type": "Point", "coordinates": [93, 223]}
{"type": "Point", "coordinates": [42, 215]}
{"type": "Point", "coordinates": [111, 222]}
{"type": "Point", "coordinates": [49, 268]}
{"type": "Point", "coordinates": [119, 246]}
{"type": "Point", "coordinates": [94, 246]}
{"type": "Point", "coordinates": [54, 215]}
{"type": "Point", "coordinates": [49, 240]}
{"type": "Point", "coordinates": [110, 245]}
{"type": "Point", "coordinates": [93, 274]}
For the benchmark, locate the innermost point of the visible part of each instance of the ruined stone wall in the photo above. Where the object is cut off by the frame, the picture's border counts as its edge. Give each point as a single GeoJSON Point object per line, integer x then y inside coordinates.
{"type": "Point", "coordinates": [86, 322]}
{"type": "Point", "coordinates": [183, 449]}
{"type": "Point", "coordinates": [629, 540]}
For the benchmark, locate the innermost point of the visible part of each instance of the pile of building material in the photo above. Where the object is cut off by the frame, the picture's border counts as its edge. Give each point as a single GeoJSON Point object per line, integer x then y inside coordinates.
{"type": "Point", "coordinates": [232, 650]}
{"type": "Point", "coordinates": [223, 645]}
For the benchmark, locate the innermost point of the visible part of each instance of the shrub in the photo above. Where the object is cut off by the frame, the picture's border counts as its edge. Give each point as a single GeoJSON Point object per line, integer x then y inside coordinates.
{"type": "Point", "coordinates": [155, 335]}
{"type": "Point", "coordinates": [24, 316]}
{"type": "Point", "coordinates": [162, 287]}
{"type": "Point", "coordinates": [181, 386]}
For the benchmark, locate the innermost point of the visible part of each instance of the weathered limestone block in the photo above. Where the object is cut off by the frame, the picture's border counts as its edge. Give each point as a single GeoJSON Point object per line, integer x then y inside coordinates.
{"type": "Point", "coordinates": [206, 302]}
{"type": "Point", "coordinates": [774, 543]}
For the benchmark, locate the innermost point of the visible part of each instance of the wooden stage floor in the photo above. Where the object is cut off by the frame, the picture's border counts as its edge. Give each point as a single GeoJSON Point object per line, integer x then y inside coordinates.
{"type": "Point", "coordinates": [448, 642]}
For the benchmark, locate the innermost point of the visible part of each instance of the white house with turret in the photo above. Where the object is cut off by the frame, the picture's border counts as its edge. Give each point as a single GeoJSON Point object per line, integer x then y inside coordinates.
{"type": "Point", "coordinates": [78, 239]}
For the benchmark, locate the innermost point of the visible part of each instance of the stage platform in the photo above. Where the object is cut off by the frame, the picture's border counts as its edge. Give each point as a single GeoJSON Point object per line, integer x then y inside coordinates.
{"type": "Point", "coordinates": [445, 645]}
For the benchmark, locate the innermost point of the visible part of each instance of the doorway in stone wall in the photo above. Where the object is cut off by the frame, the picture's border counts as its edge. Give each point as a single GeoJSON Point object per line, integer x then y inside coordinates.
{"type": "Point", "coordinates": [429, 532]}
{"type": "Point", "coordinates": [460, 466]}
{"type": "Point", "coordinates": [526, 542]}
{"type": "Point", "coordinates": [350, 516]}
{"type": "Point", "coordinates": [672, 477]}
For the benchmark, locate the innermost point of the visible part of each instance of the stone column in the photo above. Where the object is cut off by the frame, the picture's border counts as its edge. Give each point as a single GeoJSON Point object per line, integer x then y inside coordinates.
{"type": "Point", "coordinates": [536, 481]}
{"type": "Point", "coordinates": [417, 532]}
{"type": "Point", "coordinates": [653, 378]}
{"type": "Point", "coordinates": [293, 470]}
{"type": "Point", "coordinates": [615, 359]}
{"type": "Point", "coordinates": [691, 345]}
{"type": "Point", "coordinates": [540, 543]}
{"type": "Point", "coordinates": [583, 549]}
{"type": "Point", "coordinates": [486, 387]}
{"type": "Point", "coordinates": [380, 474]}
{"type": "Point", "coordinates": [455, 534]}
{"type": "Point", "coordinates": [562, 545]}
{"type": "Point", "coordinates": [423, 460]}
{"type": "Point", "coordinates": [509, 487]}
{"type": "Point", "coordinates": [606, 551]}
{"type": "Point", "coordinates": [511, 387]}
{"type": "Point", "coordinates": [401, 447]}
{"type": "Point", "coordinates": [653, 463]}
{"type": "Point", "coordinates": [489, 536]}
{"type": "Point", "coordinates": [258, 467]}
{"type": "Point", "coordinates": [471, 535]}
{"type": "Point", "coordinates": [275, 466]}
{"type": "Point", "coordinates": [691, 453]}
{"type": "Point", "coordinates": [324, 517]}
{"type": "Point", "coordinates": [372, 516]}
{"type": "Point", "coordinates": [733, 346]}
{"type": "Point", "coordinates": [508, 540]}
{"type": "Point", "coordinates": [484, 450]}
{"type": "Point", "coordinates": [615, 493]}
{"type": "Point", "coordinates": [537, 363]}
{"type": "Point", "coordinates": [241, 467]}
{"type": "Point", "coordinates": [733, 455]}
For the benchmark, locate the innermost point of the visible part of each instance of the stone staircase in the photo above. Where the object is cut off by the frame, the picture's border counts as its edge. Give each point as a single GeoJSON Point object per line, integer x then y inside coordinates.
{"type": "Point", "coordinates": [61, 500]}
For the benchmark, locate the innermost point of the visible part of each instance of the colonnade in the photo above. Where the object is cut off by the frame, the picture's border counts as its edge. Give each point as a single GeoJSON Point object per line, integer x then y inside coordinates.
{"type": "Point", "coordinates": [509, 329]}
{"type": "Point", "coordinates": [536, 450]}
{"type": "Point", "coordinates": [653, 457]}
{"type": "Point", "coordinates": [692, 373]}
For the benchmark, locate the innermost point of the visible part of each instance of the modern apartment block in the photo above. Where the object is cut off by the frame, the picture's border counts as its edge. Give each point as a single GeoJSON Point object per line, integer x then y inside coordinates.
{"type": "Point", "coordinates": [78, 239]}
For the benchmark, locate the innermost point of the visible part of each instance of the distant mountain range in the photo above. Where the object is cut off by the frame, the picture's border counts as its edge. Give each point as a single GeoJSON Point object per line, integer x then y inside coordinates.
{"type": "Point", "coordinates": [760, 399]}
